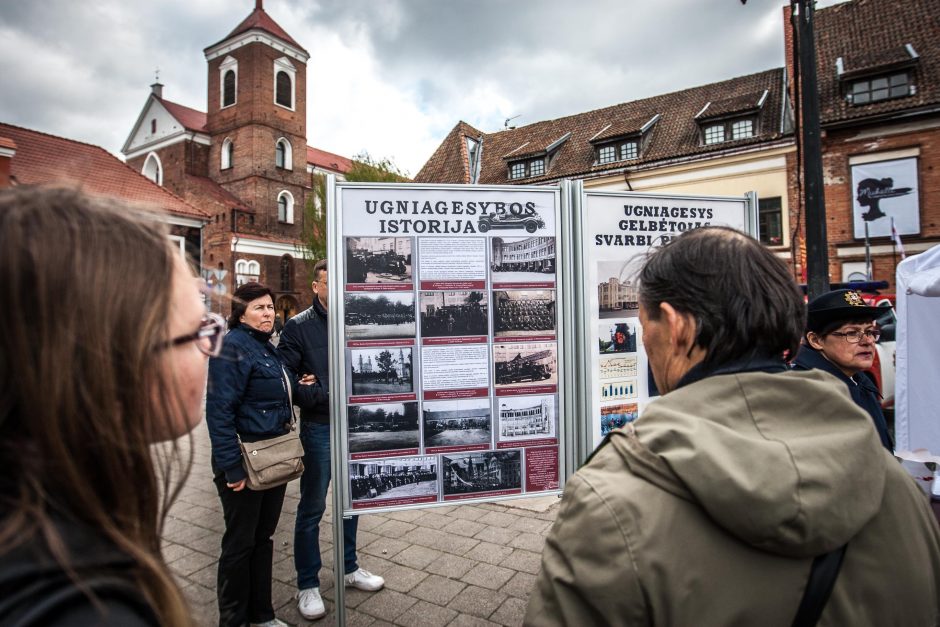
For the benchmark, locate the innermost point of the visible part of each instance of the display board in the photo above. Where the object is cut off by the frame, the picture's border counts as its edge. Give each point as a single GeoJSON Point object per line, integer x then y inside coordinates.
{"type": "Point", "coordinates": [444, 300]}
{"type": "Point", "coordinates": [617, 230]}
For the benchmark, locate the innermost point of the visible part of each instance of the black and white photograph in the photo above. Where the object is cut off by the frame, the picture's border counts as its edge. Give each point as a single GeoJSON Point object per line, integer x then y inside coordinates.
{"type": "Point", "coordinates": [378, 260]}
{"type": "Point", "coordinates": [525, 363]}
{"type": "Point", "coordinates": [481, 472]}
{"type": "Point", "coordinates": [379, 315]}
{"type": "Point", "coordinates": [886, 192]}
{"type": "Point", "coordinates": [381, 370]}
{"type": "Point", "coordinates": [527, 417]}
{"type": "Point", "coordinates": [617, 289]}
{"type": "Point", "coordinates": [617, 337]}
{"type": "Point", "coordinates": [457, 423]}
{"type": "Point", "coordinates": [383, 427]}
{"type": "Point", "coordinates": [402, 478]}
{"type": "Point", "coordinates": [522, 259]}
{"type": "Point", "coordinates": [521, 313]}
{"type": "Point", "coordinates": [454, 314]}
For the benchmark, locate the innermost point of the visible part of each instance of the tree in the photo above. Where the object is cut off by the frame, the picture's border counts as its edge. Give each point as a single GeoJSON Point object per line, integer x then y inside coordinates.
{"type": "Point", "coordinates": [385, 362]}
{"type": "Point", "coordinates": [364, 169]}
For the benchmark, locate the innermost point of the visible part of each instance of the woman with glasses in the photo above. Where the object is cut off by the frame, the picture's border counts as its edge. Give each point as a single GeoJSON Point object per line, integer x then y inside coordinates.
{"type": "Point", "coordinates": [103, 354]}
{"type": "Point", "coordinates": [247, 400]}
{"type": "Point", "coordinates": [840, 339]}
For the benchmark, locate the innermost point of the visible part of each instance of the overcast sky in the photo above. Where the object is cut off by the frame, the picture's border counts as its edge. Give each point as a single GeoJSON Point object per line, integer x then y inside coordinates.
{"type": "Point", "coordinates": [391, 77]}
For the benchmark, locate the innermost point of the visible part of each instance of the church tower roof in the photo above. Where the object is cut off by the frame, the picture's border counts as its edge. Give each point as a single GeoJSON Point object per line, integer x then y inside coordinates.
{"type": "Point", "coordinates": [259, 20]}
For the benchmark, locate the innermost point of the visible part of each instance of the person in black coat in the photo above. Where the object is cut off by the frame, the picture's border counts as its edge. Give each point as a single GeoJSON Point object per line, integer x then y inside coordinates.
{"type": "Point", "coordinates": [247, 400]}
{"type": "Point", "coordinates": [840, 339]}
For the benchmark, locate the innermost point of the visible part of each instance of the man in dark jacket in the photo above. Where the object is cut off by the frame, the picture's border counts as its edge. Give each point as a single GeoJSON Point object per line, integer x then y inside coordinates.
{"type": "Point", "coordinates": [840, 339]}
{"type": "Point", "coordinates": [304, 348]}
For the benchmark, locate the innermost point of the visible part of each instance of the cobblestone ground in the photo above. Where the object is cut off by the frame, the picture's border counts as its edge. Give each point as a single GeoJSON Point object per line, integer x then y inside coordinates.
{"type": "Point", "coordinates": [452, 565]}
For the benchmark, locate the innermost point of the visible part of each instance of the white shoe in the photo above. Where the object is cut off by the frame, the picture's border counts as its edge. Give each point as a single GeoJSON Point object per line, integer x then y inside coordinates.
{"type": "Point", "coordinates": [310, 605]}
{"type": "Point", "coordinates": [364, 580]}
{"type": "Point", "coordinates": [274, 622]}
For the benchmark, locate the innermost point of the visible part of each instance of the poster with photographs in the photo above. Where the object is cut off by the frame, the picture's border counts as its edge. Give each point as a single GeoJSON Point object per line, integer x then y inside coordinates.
{"type": "Point", "coordinates": [383, 430]}
{"type": "Point", "coordinates": [378, 263]}
{"type": "Point", "coordinates": [619, 230]}
{"type": "Point", "coordinates": [524, 314]}
{"type": "Point", "coordinates": [527, 421]}
{"type": "Point", "coordinates": [380, 373]}
{"type": "Point", "coordinates": [454, 314]}
{"type": "Point", "coordinates": [615, 416]}
{"type": "Point", "coordinates": [525, 367]}
{"type": "Point", "coordinates": [393, 482]}
{"type": "Point", "coordinates": [886, 191]}
{"type": "Point", "coordinates": [448, 306]}
{"type": "Point", "coordinates": [472, 475]}
{"type": "Point", "coordinates": [461, 425]}
{"type": "Point", "coordinates": [379, 315]}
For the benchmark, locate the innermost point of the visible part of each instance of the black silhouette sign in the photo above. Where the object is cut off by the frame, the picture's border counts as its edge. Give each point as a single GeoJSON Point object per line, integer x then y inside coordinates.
{"type": "Point", "coordinates": [884, 190]}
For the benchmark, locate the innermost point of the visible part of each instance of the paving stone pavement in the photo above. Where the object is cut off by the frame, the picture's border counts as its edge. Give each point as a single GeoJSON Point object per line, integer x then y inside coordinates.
{"type": "Point", "coordinates": [462, 565]}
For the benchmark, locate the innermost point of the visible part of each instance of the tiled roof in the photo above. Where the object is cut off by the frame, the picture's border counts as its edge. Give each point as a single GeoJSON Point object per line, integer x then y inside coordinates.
{"type": "Point", "coordinates": [675, 134]}
{"type": "Point", "coordinates": [43, 159]}
{"type": "Point", "coordinates": [201, 186]}
{"type": "Point", "coordinates": [262, 21]}
{"type": "Point", "coordinates": [869, 34]}
{"type": "Point", "coordinates": [328, 160]}
{"type": "Point", "coordinates": [191, 119]}
{"type": "Point", "coordinates": [743, 103]}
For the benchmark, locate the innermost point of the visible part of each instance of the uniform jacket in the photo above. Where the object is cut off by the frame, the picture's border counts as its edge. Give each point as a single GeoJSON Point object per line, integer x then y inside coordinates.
{"type": "Point", "coordinates": [246, 397]}
{"type": "Point", "coordinates": [709, 509]}
{"type": "Point", "coordinates": [304, 349]}
{"type": "Point", "coordinates": [862, 390]}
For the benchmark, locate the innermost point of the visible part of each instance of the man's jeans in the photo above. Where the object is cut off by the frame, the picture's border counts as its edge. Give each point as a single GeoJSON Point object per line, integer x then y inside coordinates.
{"type": "Point", "coordinates": [313, 486]}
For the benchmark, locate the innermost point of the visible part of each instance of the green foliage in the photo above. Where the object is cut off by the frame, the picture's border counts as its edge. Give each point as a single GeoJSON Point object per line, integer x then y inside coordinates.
{"type": "Point", "coordinates": [365, 169]}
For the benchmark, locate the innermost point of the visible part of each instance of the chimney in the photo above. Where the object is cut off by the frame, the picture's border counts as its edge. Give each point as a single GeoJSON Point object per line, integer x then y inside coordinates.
{"type": "Point", "coordinates": [258, 6]}
{"type": "Point", "coordinates": [7, 150]}
{"type": "Point", "coordinates": [157, 89]}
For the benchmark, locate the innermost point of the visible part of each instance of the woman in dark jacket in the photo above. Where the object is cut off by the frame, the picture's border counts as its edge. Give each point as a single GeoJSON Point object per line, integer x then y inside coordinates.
{"type": "Point", "coordinates": [247, 400]}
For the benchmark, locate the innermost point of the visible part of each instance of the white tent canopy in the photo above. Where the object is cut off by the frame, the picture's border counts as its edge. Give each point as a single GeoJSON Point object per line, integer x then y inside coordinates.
{"type": "Point", "coordinates": [917, 393]}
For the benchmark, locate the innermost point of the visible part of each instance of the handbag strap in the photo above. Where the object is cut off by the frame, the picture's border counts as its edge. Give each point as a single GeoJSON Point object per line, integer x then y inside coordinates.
{"type": "Point", "coordinates": [290, 399]}
{"type": "Point", "coordinates": [822, 579]}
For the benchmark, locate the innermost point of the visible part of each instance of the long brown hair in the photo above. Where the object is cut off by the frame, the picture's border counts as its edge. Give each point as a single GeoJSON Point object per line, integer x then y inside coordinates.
{"type": "Point", "coordinates": [85, 288]}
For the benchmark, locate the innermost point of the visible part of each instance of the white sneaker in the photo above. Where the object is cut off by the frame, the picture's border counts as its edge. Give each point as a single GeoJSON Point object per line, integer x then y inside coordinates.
{"type": "Point", "coordinates": [310, 605]}
{"type": "Point", "coordinates": [274, 622]}
{"type": "Point", "coordinates": [364, 580]}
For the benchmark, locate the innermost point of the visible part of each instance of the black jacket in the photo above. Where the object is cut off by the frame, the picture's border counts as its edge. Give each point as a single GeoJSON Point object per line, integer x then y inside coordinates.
{"type": "Point", "coordinates": [863, 391]}
{"type": "Point", "coordinates": [35, 590]}
{"type": "Point", "coordinates": [304, 349]}
{"type": "Point", "coordinates": [246, 397]}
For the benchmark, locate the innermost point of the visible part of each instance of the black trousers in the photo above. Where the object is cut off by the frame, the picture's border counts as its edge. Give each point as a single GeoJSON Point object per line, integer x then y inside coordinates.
{"type": "Point", "coordinates": [244, 583]}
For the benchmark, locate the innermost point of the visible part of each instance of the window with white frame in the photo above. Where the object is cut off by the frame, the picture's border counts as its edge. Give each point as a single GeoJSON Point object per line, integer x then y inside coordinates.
{"type": "Point", "coordinates": [742, 129]}
{"type": "Point", "coordinates": [283, 155]}
{"type": "Point", "coordinates": [228, 82]}
{"type": "Point", "coordinates": [228, 153]}
{"type": "Point", "coordinates": [617, 151]}
{"type": "Point", "coordinates": [153, 169]}
{"type": "Point", "coordinates": [714, 134]}
{"type": "Point", "coordinates": [285, 207]}
{"type": "Point", "coordinates": [729, 130]}
{"type": "Point", "coordinates": [607, 154]}
{"type": "Point", "coordinates": [537, 167]}
{"type": "Point", "coordinates": [527, 167]}
{"type": "Point", "coordinates": [517, 170]}
{"type": "Point", "coordinates": [285, 77]}
{"type": "Point", "coordinates": [246, 271]}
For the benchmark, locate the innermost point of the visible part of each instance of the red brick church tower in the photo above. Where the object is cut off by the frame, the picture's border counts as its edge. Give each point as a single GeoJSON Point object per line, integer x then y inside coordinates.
{"type": "Point", "coordinates": [245, 160]}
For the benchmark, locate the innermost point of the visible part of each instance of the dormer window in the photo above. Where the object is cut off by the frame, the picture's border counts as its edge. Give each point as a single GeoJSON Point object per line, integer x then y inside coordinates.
{"type": "Point", "coordinates": [617, 151]}
{"type": "Point", "coordinates": [526, 168]}
{"type": "Point", "coordinates": [728, 130]}
{"type": "Point", "coordinates": [864, 91]}
{"type": "Point", "coordinates": [623, 139]}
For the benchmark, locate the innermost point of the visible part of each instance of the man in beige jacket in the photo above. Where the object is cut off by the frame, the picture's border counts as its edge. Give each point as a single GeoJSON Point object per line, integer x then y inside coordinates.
{"type": "Point", "coordinates": [711, 507]}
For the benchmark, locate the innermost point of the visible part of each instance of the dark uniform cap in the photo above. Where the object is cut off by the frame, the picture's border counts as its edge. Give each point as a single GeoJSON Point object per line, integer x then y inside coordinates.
{"type": "Point", "coordinates": [838, 305]}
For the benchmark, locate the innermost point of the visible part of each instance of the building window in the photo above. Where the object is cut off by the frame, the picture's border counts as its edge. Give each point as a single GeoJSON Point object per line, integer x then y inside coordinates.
{"type": "Point", "coordinates": [715, 134]}
{"type": "Point", "coordinates": [537, 167]}
{"type": "Point", "coordinates": [228, 72]}
{"type": "Point", "coordinates": [881, 88]}
{"type": "Point", "coordinates": [517, 170]}
{"type": "Point", "coordinates": [285, 207]}
{"type": "Point", "coordinates": [153, 169]}
{"type": "Point", "coordinates": [525, 168]}
{"type": "Point", "coordinates": [607, 154]}
{"type": "Point", "coordinates": [228, 153]}
{"type": "Point", "coordinates": [742, 129]}
{"type": "Point", "coordinates": [283, 90]}
{"type": "Point", "coordinates": [629, 150]}
{"type": "Point", "coordinates": [617, 151]}
{"type": "Point", "coordinates": [282, 154]}
{"type": "Point", "coordinates": [153, 126]}
{"type": "Point", "coordinates": [770, 221]}
{"type": "Point", "coordinates": [287, 273]}
{"type": "Point", "coordinates": [246, 271]}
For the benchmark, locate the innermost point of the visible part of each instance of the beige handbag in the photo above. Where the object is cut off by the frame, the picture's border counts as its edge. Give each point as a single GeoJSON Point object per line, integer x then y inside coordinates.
{"type": "Point", "coordinates": [275, 461]}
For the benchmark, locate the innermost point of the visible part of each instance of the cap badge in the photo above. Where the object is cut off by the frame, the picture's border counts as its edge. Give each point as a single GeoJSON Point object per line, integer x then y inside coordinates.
{"type": "Point", "coordinates": [854, 299]}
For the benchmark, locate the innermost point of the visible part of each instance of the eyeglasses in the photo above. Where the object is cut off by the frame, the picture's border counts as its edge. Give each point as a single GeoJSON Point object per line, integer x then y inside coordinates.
{"type": "Point", "coordinates": [208, 337]}
{"type": "Point", "coordinates": [854, 337]}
